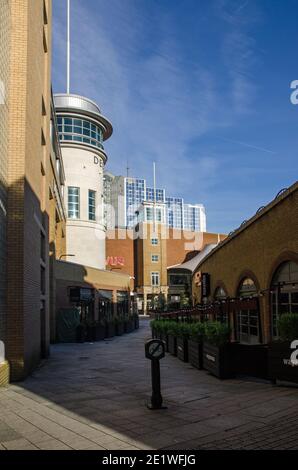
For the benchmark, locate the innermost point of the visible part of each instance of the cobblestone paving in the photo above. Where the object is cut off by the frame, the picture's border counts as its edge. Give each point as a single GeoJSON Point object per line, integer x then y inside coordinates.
{"type": "Point", "coordinates": [93, 396]}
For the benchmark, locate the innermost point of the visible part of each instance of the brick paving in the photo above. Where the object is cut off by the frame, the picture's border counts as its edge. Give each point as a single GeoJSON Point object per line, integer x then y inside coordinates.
{"type": "Point", "coordinates": [93, 396]}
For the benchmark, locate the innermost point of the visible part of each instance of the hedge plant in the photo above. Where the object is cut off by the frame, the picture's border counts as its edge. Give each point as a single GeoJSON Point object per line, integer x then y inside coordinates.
{"type": "Point", "coordinates": [217, 333]}
{"type": "Point", "coordinates": [287, 325]}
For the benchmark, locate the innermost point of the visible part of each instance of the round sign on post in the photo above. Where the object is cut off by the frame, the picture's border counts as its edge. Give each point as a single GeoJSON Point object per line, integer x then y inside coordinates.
{"type": "Point", "coordinates": [155, 350]}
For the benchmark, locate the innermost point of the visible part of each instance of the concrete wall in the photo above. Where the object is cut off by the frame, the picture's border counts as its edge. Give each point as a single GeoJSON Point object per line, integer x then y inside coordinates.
{"type": "Point", "coordinates": [85, 239]}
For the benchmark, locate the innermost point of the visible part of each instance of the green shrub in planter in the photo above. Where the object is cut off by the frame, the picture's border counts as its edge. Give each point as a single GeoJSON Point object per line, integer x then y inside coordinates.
{"type": "Point", "coordinates": [218, 351]}
{"type": "Point", "coordinates": [281, 365]}
{"type": "Point", "coordinates": [217, 333]}
{"type": "Point", "coordinates": [287, 326]}
{"type": "Point", "coordinates": [195, 344]}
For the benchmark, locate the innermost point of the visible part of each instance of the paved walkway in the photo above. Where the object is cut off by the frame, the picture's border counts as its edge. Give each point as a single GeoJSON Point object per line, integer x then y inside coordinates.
{"type": "Point", "coordinates": [92, 396]}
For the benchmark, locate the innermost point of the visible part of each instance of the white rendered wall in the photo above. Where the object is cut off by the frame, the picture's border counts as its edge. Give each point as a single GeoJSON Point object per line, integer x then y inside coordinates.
{"type": "Point", "coordinates": [84, 238]}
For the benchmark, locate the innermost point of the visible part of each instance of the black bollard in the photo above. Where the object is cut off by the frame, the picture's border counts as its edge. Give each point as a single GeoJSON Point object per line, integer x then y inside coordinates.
{"type": "Point", "coordinates": [155, 350]}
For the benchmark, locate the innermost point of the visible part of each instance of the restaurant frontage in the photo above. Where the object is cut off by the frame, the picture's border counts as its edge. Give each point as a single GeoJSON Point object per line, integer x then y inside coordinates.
{"type": "Point", "coordinates": [249, 281]}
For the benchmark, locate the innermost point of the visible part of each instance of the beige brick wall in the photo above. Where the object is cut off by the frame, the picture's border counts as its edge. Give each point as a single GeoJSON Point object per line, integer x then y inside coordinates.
{"type": "Point", "coordinates": [5, 26]}
{"type": "Point", "coordinates": [29, 176]}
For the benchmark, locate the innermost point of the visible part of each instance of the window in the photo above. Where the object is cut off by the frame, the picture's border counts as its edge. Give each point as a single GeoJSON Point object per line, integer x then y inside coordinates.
{"type": "Point", "coordinates": [154, 241]}
{"type": "Point", "coordinates": [284, 293]}
{"type": "Point", "coordinates": [178, 279]}
{"type": "Point", "coordinates": [247, 319]}
{"type": "Point", "coordinates": [92, 204]}
{"type": "Point", "coordinates": [80, 131]}
{"type": "Point", "coordinates": [149, 214]}
{"type": "Point", "coordinates": [155, 279]}
{"type": "Point", "coordinates": [154, 258]}
{"type": "Point", "coordinates": [73, 202]}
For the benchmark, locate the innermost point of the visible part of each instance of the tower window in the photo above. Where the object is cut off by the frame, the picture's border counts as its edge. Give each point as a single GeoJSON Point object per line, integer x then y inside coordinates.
{"type": "Point", "coordinates": [92, 204]}
{"type": "Point", "coordinates": [73, 202]}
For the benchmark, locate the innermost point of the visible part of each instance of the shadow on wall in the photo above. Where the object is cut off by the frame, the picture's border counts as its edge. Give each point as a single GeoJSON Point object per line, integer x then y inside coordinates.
{"type": "Point", "coordinates": [27, 325]}
{"type": "Point", "coordinates": [3, 247]}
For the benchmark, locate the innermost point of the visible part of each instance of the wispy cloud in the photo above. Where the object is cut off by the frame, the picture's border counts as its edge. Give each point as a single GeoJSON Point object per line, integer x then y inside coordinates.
{"type": "Point", "coordinates": [167, 91]}
{"type": "Point", "coordinates": [156, 105]}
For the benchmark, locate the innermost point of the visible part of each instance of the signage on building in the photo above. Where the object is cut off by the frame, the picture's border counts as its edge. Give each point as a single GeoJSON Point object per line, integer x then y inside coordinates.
{"type": "Point", "coordinates": [115, 261]}
{"type": "Point", "coordinates": [205, 285]}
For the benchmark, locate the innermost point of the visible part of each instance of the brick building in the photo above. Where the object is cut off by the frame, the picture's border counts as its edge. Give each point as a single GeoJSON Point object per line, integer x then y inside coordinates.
{"type": "Point", "coordinates": [146, 257]}
{"type": "Point", "coordinates": [253, 273]}
{"type": "Point", "coordinates": [32, 179]}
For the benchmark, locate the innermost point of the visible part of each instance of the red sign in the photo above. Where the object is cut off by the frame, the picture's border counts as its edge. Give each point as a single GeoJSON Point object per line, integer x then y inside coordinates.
{"type": "Point", "coordinates": [115, 261]}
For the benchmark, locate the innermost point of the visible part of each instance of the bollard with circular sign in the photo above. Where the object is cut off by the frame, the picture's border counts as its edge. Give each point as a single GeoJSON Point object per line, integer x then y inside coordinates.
{"type": "Point", "coordinates": [155, 350]}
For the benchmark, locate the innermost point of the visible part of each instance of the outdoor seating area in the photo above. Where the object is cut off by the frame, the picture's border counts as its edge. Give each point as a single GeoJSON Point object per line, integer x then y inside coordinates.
{"type": "Point", "coordinates": [208, 344]}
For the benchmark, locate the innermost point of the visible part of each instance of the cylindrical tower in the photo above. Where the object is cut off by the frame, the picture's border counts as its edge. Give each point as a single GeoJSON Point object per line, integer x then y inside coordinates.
{"type": "Point", "coordinates": [82, 131]}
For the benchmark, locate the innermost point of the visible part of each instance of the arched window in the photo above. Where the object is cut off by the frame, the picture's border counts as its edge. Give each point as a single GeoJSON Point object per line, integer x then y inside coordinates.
{"type": "Point", "coordinates": [284, 292]}
{"type": "Point", "coordinates": [247, 319]}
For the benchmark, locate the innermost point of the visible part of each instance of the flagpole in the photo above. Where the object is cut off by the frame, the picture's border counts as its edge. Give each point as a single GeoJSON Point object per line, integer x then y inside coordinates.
{"type": "Point", "coordinates": [154, 198]}
{"type": "Point", "coordinates": [68, 48]}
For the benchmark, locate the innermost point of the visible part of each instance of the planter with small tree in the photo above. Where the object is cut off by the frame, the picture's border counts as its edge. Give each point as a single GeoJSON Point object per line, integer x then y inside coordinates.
{"type": "Point", "coordinates": [283, 353]}
{"type": "Point", "coordinates": [218, 351]}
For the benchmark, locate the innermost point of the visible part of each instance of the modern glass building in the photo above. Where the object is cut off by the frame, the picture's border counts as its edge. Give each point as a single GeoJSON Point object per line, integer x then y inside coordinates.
{"type": "Point", "coordinates": [126, 194]}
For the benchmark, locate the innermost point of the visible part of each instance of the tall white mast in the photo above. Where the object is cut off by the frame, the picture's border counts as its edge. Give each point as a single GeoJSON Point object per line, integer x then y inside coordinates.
{"type": "Point", "coordinates": [154, 197]}
{"type": "Point", "coordinates": [68, 48]}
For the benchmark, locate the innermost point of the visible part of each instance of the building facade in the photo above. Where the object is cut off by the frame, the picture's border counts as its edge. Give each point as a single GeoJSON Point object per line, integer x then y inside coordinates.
{"type": "Point", "coordinates": [253, 273]}
{"type": "Point", "coordinates": [147, 256]}
{"type": "Point", "coordinates": [32, 186]}
{"type": "Point", "coordinates": [125, 195]}
{"type": "Point", "coordinates": [82, 131]}
{"type": "Point", "coordinates": [5, 29]}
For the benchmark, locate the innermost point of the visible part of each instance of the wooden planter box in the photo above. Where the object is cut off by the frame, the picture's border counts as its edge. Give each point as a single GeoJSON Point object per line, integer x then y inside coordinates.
{"type": "Point", "coordinates": [99, 332]}
{"type": "Point", "coordinates": [182, 349]}
{"type": "Point", "coordinates": [119, 328]}
{"type": "Point", "coordinates": [195, 353]}
{"type": "Point", "coordinates": [251, 359]}
{"type": "Point", "coordinates": [172, 345]}
{"type": "Point", "coordinates": [110, 330]}
{"type": "Point", "coordinates": [280, 367]}
{"type": "Point", "coordinates": [80, 334]}
{"type": "Point", "coordinates": [128, 326]}
{"type": "Point", "coordinates": [164, 338]}
{"type": "Point", "coordinates": [219, 360]}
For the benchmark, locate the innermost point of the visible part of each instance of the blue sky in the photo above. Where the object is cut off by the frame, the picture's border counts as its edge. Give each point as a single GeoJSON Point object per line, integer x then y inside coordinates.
{"type": "Point", "coordinates": [201, 87]}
